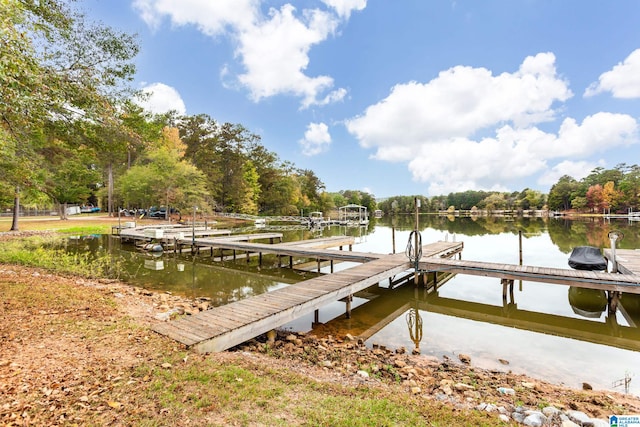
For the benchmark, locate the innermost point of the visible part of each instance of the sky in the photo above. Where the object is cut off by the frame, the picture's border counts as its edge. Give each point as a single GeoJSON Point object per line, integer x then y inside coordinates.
{"type": "Point", "coordinates": [403, 97]}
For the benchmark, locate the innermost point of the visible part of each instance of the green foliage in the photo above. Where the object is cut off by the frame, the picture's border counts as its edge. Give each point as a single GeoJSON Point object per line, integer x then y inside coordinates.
{"type": "Point", "coordinates": [58, 75]}
{"type": "Point", "coordinates": [162, 177]}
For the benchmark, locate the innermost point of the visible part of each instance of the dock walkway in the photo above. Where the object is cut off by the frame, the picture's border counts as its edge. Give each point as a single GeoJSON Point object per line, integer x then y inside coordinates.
{"type": "Point", "coordinates": [226, 326]}
{"type": "Point", "coordinates": [629, 283]}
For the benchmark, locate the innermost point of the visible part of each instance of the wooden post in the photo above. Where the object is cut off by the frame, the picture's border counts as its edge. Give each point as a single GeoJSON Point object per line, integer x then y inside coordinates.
{"type": "Point", "coordinates": [520, 244]}
{"type": "Point", "coordinates": [393, 239]}
{"type": "Point", "coordinates": [348, 308]}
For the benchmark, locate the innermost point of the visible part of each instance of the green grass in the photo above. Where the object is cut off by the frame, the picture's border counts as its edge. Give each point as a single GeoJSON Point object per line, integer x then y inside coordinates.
{"type": "Point", "coordinates": [85, 230]}
{"type": "Point", "coordinates": [255, 395]}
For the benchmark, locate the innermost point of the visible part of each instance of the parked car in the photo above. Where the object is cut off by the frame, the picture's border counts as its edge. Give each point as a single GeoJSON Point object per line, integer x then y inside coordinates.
{"type": "Point", "coordinates": [89, 209]}
{"type": "Point", "coordinates": [160, 212]}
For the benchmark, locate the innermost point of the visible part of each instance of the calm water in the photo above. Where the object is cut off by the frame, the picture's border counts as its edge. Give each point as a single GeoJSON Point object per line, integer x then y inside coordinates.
{"type": "Point", "coordinates": [551, 332]}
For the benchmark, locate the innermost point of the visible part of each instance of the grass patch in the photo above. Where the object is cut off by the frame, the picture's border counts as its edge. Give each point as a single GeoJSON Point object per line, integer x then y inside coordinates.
{"type": "Point", "coordinates": [84, 230]}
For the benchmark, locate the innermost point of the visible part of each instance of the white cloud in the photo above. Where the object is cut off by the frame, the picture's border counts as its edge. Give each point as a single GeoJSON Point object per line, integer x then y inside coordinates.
{"type": "Point", "coordinates": [433, 127]}
{"type": "Point", "coordinates": [345, 7]}
{"type": "Point", "coordinates": [273, 49]}
{"type": "Point", "coordinates": [316, 139]}
{"type": "Point", "coordinates": [275, 54]}
{"type": "Point", "coordinates": [623, 81]}
{"type": "Point", "coordinates": [161, 98]}
{"type": "Point", "coordinates": [460, 102]}
{"type": "Point", "coordinates": [576, 170]}
{"type": "Point", "coordinates": [210, 17]}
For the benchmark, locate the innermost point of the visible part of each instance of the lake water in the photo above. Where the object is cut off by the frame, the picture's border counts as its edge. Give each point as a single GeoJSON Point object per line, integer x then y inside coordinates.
{"type": "Point", "coordinates": [552, 332]}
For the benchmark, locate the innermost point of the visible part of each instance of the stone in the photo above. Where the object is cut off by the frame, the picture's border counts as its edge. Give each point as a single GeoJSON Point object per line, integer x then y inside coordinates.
{"type": "Point", "coordinates": [363, 374]}
{"type": "Point", "coordinates": [416, 390]}
{"type": "Point", "coordinates": [518, 417]}
{"type": "Point", "coordinates": [535, 419]}
{"type": "Point", "coordinates": [579, 418]}
{"type": "Point", "coordinates": [587, 386]}
{"type": "Point", "coordinates": [549, 411]}
{"type": "Point", "coordinates": [463, 387]}
{"type": "Point", "coordinates": [600, 423]}
{"type": "Point", "coordinates": [569, 423]}
{"type": "Point", "coordinates": [446, 390]}
{"type": "Point", "coordinates": [398, 363]}
{"type": "Point", "coordinates": [504, 418]}
{"type": "Point", "coordinates": [464, 358]}
{"type": "Point", "coordinates": [490, 407]}
{"type": "Point", "coordinates": [503, 361]}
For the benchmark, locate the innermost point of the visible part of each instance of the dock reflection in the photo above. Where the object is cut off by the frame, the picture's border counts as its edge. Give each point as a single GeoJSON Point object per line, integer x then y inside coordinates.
{"type": "Point", "coordinates": [386, 305]}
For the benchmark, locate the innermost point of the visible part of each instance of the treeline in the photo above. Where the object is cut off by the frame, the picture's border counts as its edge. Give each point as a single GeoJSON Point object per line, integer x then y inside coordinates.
{"type": "Point", "coordinates": [614, 190]}
{"type": "Point", "coordinates": [468, 200]}
{"type": "Point", "coordinates": [71, 133]}
{"type": "Point", "coordinates": [610, 190]}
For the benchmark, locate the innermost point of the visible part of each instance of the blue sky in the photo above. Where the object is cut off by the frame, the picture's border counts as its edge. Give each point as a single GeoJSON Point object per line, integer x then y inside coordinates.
{"type": "Point", "coordinates": [403, 97]}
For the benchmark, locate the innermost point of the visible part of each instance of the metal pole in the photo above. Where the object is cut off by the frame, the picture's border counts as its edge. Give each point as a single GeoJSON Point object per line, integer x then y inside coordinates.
{"type": "Point", "coordinates": [417, 242]}
{"type": "Point", "coordinates": [614, 264]}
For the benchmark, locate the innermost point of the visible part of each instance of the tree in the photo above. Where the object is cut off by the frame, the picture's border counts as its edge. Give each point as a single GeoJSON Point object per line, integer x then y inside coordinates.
{"type": "Point", "coordinates": [534, 198]}
{"type": "Point", "coordinates": [71, 176]}
{"type": "Point", "coordinates": [579, 203]}
{"type": "Point", "coordinates": [595, 198]}
{"type": "Point", "coordinates": [162, 177]}
{"type": "Point", "coordinates": [630, 188]}
{"type": "Point", "coordinates": [494, 201]}
{"type": "Point", "coordinates": [610, 196]}
{"type": "Point", "coordinates": [56, 68]}
{"type": "Point", "coordinates": [561, 193]}
{"type": "Point", "coordinates": [249, 203]}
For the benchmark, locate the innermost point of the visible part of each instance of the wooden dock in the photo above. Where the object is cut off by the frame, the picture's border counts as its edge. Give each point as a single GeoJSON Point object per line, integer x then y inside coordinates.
{"type": "Point", "coordinates": [226, 326]}
{"type": "Point", "coordinates": [611, 282]}
{"type": "Point", "coordinates": [627, 260]}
